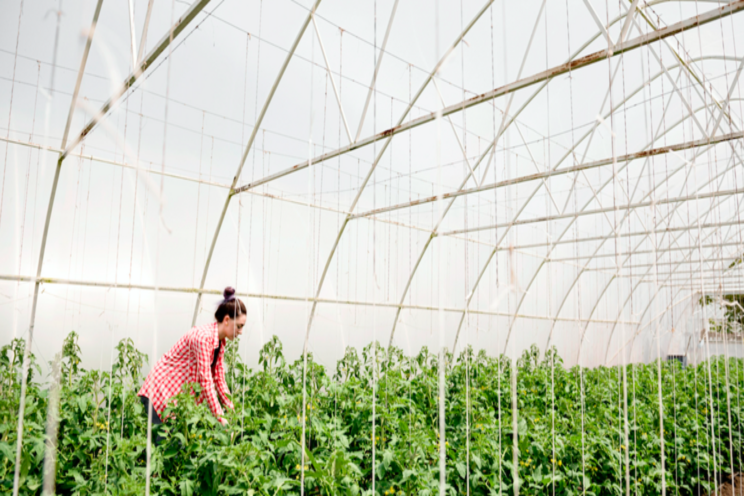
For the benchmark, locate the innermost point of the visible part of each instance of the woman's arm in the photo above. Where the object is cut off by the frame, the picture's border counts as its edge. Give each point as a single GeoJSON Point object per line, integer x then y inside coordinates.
{"type": "Point", "coordinates": [219, 376]}
{"type": "Point", "coordinates": [204, 355]}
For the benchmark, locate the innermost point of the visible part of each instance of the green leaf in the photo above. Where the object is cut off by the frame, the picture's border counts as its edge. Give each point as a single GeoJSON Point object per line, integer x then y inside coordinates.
{"type": "Point", "coordinates": [186, 487]}
{"type": "Point", "coordinates": [522, 427]}
{"type": "Point", "coordinates": [537, 475]}
{"type": "Point", "coordinates": [82, 402]}
{"type": "Point", "coordinates": [7, 451]}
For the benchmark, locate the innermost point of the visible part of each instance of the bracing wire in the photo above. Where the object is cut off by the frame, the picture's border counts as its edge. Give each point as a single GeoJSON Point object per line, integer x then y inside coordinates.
{"type": "Point", "coordinates": [337, 380]}
{"type": "Point", "coordinates": [22, 228]}
{"type": "Point", "coordinates": [441, 349]}
{"type": "Point", "coordinates": [373, 418]}
{"type": "Point", "coordinates": [654, 259]}
{"type": "Point", "coordinates": [618, 246]}
{"type": "Point", "coordinates": [467, 273]}
{"type": "Point", "coordinates": [310, 246]}
{"type": "Point", "coordinates": [548, 237]}
{"type": "Point", "coordinates": [738, 309]}
{"type": "Point", "coordinates": [725, 333]}
{"type": "Point", "coordinates": [410, 265]}
{"type": "Point", "coordinates": [249, 259]}
{"type": "Point", "coordinates": [622, 427]}
{"type": "Point", "coordinates": [573, 193]}
{"type": "Point", "coordinates": [111, 330]}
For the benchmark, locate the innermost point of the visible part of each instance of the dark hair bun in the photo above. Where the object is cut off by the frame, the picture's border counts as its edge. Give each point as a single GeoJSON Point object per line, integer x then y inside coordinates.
{"type": "Point", "coordinates": [229, 306]}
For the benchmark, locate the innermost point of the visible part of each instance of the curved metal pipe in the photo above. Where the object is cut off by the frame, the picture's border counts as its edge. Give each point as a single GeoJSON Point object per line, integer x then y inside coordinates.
{"type": "Point", "coordinates": [627, 300]}
{"type": "Point", "coordinates": [387, 141]}
{"type": "Point", "coordinates": [467, 178]}
{"type": "Point", "coordinates": [628, 256]}
{"type": "Point", "coordinates": [581, 272]}
{"type": "Point", "coordinates": [692, 114]}
{"type": "Point", "coordinates": [566, 155]}
{"type": "Point", "coordinates": [641, 279]}
{"type": "Point", "coordinates": [248, 147]}
{"type": "Point", "coordinates": [648, 306]}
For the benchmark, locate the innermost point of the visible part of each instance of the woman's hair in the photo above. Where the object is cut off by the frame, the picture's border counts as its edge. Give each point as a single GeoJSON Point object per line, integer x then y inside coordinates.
{"type": "Point", "coordinates": [230, 305]}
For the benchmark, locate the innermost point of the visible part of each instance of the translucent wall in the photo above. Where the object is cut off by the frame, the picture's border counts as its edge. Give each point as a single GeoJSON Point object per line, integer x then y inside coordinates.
{"type": "Point", "coordinates": [500, 176]}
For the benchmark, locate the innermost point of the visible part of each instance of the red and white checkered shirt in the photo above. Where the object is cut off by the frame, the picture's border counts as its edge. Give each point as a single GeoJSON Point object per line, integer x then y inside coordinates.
{"type": "Point", "coordinates": [190, 360]}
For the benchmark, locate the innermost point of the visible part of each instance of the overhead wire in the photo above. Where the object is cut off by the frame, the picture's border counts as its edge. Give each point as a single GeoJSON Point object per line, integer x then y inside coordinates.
{"type": "Point", "coordinates": [549, 283]}
{"type": "Point", "coordinates": [622, 429]}
{"type": "Point", "coordinates": [618, 248]}
{"type": "Point", "coordinates": [738, 310]}
{"type": "Point", "coordinates": [467, 345]}
{"type": "Point", "coordinates": [160, 225]}
{"type": "Point", "coordinates": [727, 361]}
{"type": "Point", "coordinates": [375, 283]}
{"type": "Point", "coordinates": [21, 230]}
{"type": "Point", "coordinates": [249, 256]}
{"type": "Point", "coordinates": [309, 273]}
{"type": "Point", "coordinates": [714, 443]}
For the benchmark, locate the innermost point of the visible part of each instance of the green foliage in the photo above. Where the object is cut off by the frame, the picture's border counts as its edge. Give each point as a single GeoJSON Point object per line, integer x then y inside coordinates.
{"type": "Point", "coordinates": [570, 427]}
{"type": "Point", "coordinates": [70, 356]}
{"type": "Point", "coordinates": [11, 368]}
{"type": "Point", "coordinates": [733, 311]}
{"type": "Point", "coordinates": [129, 361]}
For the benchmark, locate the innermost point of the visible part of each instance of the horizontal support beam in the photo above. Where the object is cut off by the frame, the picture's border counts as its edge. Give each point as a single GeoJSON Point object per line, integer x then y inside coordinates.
{"type": "Point", "coordinates": [709, 284]}
{"type": "Point", "coordinates": [664, 264]}
{"type": "Point", "coordinates": [297, 299]}
{"type": "Point", "coordinates": [546, 175]}
{"type": "Point", "coordinates": [714, 225]}
{"type": "Point", "coordinates": [160, 172]}
{"type": "Point", "coordinates": [644, 252]}
{"type": "Point", "coordinates": [707, 272]}
{"type": "Point", "coordinates": [93, 158]}
{"type": "Point", "coordinates": [632, 206]}
{"type": "Point", "coordinates": [709, 275]}
{"type": "Point", "coordinates": [590, 59]}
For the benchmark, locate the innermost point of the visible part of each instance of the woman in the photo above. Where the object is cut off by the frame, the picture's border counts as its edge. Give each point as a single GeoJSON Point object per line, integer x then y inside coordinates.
{"type": "Point", "coordinates": [197, 357]}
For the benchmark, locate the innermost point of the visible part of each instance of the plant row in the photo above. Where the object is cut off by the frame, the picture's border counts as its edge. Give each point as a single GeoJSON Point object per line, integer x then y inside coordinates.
{"type": "Point", "coordinates": [373, 422]}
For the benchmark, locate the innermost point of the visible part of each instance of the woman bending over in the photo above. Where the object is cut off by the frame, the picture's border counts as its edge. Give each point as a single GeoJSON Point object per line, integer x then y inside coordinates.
{"type": "Point", "coordinates": [197, 357]}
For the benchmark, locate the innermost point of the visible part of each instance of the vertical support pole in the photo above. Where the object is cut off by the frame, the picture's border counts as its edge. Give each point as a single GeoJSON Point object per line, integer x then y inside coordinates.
{"type": "Point", "coordinates": [440, 283]}
{"type": "Point", "coordinates": [55, 182]}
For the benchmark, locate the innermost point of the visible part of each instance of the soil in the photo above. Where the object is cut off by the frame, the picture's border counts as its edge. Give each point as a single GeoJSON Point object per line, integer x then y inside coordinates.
{"type": "Point", "coordinates": [727, 489]}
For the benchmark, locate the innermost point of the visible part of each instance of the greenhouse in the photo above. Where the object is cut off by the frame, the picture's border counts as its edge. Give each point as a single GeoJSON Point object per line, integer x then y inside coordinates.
{"type": "Point", "coordinates": [390, 247]}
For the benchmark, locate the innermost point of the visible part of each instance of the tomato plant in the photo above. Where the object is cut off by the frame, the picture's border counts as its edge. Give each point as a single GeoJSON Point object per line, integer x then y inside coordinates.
{"type": "Point", "coordinates": [570, 426]}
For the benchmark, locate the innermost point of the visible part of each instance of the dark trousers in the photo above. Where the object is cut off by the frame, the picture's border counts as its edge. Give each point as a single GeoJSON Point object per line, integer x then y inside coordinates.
{"type": "Point", "coordinates": [158, 438]}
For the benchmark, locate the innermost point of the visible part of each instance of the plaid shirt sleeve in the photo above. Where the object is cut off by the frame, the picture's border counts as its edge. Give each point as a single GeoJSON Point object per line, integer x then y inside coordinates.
{"type": "Point", "coordinates": [219, 380]}
{"type": "Point", "coordinates": [204, 354]}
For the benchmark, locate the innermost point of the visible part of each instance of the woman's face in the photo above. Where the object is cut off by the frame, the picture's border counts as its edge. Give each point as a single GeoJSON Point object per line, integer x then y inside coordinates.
{"type": "Point", "coordinates": [234, 327]}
